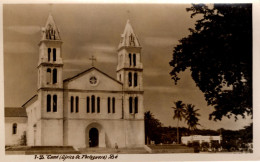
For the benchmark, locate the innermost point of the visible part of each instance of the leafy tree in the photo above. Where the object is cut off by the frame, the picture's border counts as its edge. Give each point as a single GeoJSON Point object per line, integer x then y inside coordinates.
{"type": "Point", "coordinates": [218, 53]}
{"type": "Point", "coordinates": [179, 113]}
{"type": "Point", "coordinates": [246, 134]}
{"type": "Point", "coordinates": [192, 117]}
{"type": "Point", "coordinates": [152, 128]}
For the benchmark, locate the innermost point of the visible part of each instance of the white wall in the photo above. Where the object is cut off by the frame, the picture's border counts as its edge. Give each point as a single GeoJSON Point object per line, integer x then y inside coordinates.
{"type": "Point", "coordinates": [14, 139]}
{"type": "Point", "coordinates": [126, 133]}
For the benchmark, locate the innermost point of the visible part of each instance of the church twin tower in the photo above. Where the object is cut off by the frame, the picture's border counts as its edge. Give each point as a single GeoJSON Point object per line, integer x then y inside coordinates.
{"type": "Point", "coordinates": [91, 108]}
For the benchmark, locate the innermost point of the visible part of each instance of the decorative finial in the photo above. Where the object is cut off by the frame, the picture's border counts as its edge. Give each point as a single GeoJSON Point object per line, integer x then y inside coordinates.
{"type": "Point", "coordinates": [50, 9]}
{"type": "Point", "coordinates": [92, 59]}
{"type": "Point", "coordinates": [128, 16]}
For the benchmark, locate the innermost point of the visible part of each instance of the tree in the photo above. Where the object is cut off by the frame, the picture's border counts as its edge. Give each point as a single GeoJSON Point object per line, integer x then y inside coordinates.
{"type": "Point", "coordinates": [152, 128]}
{"type": "Point", "coordinates": [218, 53]}
{"type": "Point", "coordinates": [191, 116]}
{"type": "Point", "coordinates": [179, 113]}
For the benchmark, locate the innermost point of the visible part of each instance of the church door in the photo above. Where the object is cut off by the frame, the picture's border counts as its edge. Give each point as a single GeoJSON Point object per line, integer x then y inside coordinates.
{"type": "Point", "coordinates": [93, 137]}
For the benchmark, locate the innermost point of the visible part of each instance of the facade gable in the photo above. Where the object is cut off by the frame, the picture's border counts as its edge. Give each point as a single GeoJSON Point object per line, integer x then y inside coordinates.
{"type": "Point", "coordinates": [92, 80]}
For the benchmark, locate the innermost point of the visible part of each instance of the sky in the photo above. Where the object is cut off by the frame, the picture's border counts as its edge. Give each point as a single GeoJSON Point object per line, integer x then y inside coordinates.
{"type": "Point", "coordinates": [95, 29]}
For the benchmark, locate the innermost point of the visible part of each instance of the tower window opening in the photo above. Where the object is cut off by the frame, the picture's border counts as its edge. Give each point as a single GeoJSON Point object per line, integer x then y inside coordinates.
{"type": "Point", "coordinates": [113, 104]}
{"type": "Point", "coordinates": [54, 76]}
{"type": "Point", "coordinates": [108, 104]}
{"type": "Point", "coordinates": [92, 104]}
{"type": "Point", "coordinates": [135, 79]}
{"type": "Point", "coordinates": [71, 104]}
{"type": "Point", "coordinates": [130, 79]}
{"type": "Point", "coordinates": [48, 103]}
{"type": "Point", "coordinates": [49, 54]}
{"type": "Point", "coordinates": [98, 105]}
{"type": "Point", "coordinates": [14, 128]}
{"type": "Point", "coordinates": [130, 105]}
{"type": "Point", "coordinates": [54, 54]}
{"type": "Point", "coordinates": [87, 104]}
{"type": "Point", "coordinates": [136, 105]}
{"type": "Point", "coordinates": [77, 104]}
{"type": "Point", "coordinates": [130, 59]}
{"type": "Point", "coordinates": [48, 79]}
{"type": "Point", "coordinates": [134, 59]}
{"type": "Point", "coordinates": [55, 103]}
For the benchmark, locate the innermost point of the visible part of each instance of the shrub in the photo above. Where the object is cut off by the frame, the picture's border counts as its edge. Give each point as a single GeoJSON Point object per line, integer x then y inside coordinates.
{"type": "Point", "coordinates": [204, 146]}
{"type": "Point", "coordinates": [196, 146]}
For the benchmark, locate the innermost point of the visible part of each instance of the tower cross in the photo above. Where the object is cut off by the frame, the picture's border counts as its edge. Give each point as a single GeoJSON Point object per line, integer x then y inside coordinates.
{"type": "Point", "coordinates": [92, 59]}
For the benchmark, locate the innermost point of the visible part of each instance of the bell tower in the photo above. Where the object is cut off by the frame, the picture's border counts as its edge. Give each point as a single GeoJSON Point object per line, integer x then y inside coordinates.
{"type": "Point", "coordinates": [130, 67]}
{"type": "Point", "coordinates": [50, 59]}
{"type": "Point", "coordinates": [50, 87]}
{"type": "Point", "coordinates": [130, 73]}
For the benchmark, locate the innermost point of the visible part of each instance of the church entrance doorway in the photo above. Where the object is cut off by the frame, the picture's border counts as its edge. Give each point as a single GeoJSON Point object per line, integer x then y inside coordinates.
{"type": "Point", "coordinates": [93, 137]}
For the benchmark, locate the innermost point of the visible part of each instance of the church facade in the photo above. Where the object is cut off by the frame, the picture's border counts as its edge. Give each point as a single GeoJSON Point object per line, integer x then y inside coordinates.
{"type": "Point", "coordinates": [90, 109]}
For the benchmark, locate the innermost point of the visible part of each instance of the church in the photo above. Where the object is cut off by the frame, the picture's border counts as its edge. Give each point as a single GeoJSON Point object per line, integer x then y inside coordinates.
{"type": "Point", "coordinates": [90, 109]}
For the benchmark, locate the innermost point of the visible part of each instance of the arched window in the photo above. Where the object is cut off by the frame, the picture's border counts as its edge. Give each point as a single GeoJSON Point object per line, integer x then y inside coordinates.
{"type": "Point", "coordinates": [71, 104]}
{"type": "Point", "coordinates": [54, 79]}
{"type": "Point", "coordinates": [48, 103]}
{"type": "Point", "coordinates": [14, 128]}
{"type": "Point", "coordinates": [48, 77]}
{"type": "Point", "coordinates": [119, 77]}
{"type": "Point", "coordinates": [54, 54]}
{"type": "Point", "coordinates": [108, 104]}
{"type": "Point", "coordinates": [87, 104]}
{"type": "Point", "coordinates": [92, 104]}
{"type": "Point", "coordinates": [134, 59]}
{"type": "Point", "coordinates": [130, 59]}
{"type": "Point", "coordinates": [54, 103]}
{"type": "Point", "coordinates": [98, 105]}
{"type": "Point", "coordinates": [136, 105]}
{"type": "Point", "coordinates": [135, 79]}
{"type": "Point", "coordinates": [77, 104]}
{"type": "Point", "coordinates": [130, 79]}
{"type": "Point", "coordinates": [49, 54]}
{"type": "Point", "coordinates": [130, 105]}
{"type": "Point", "coordinates": [113, 104]}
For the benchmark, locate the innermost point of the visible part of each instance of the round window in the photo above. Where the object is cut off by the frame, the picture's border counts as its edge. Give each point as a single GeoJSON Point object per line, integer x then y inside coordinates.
{"type": "Point", "coordinates": [93, 80]}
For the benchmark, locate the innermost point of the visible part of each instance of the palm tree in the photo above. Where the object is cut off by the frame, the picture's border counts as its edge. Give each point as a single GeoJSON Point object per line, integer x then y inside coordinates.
{"type": "Point", "coordinates": [179, 113]}
{"type": "Point", "coordinates": [191, 116]}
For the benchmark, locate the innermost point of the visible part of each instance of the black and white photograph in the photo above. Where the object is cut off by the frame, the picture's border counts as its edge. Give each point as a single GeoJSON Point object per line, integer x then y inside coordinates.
{"type": "Point", "coordinates": [127, 79]}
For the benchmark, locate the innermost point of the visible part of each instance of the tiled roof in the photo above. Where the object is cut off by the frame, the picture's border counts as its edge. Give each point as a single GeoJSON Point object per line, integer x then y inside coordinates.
{"type": "Point", "coordinates": [15, 112]}
{"type": "Point", "coordinates": [30, 101]}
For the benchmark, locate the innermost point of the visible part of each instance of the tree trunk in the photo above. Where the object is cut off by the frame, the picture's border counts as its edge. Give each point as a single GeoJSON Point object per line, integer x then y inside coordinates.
{"type": "Point", "coordinates": [178, 141]}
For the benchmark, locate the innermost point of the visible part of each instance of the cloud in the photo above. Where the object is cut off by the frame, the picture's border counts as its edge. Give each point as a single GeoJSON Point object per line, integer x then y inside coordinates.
{"type": "Point", "coordinates": [76, 61]}
{"type": "Point", "coordinates": [160, 41]}
{"type": "Point", "coordinates": [99, 48]}
{"type": "Point", "coordinates": [155, 72]}
{"type": "Point", "coordinates": [102, 52]}
{"type": "Point", "coordinates": [18, 47]}
{"type": "Point", "coordinates": [70, 70]}
{"type": "Point", "coordinates": [100, 58]}
{"type": "Point", "coordinates": [162, 89]}
{"type": "Point", "coordinates": [106, 58]}
{"type": "Point", "coordinates": [25, 29]}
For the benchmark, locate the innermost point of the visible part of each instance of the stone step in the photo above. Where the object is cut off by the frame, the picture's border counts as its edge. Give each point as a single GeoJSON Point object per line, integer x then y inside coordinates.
{"type": "Point", "coordinates": [51, 148]}
{"type": "Point", "coordinates": [113, 150]}
{"type": "Point", "coordinates": [37, 152]}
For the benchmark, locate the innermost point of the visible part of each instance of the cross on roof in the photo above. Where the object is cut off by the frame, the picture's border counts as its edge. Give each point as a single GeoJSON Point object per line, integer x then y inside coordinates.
{"type": "Point", "coordinates": [92, 59]}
